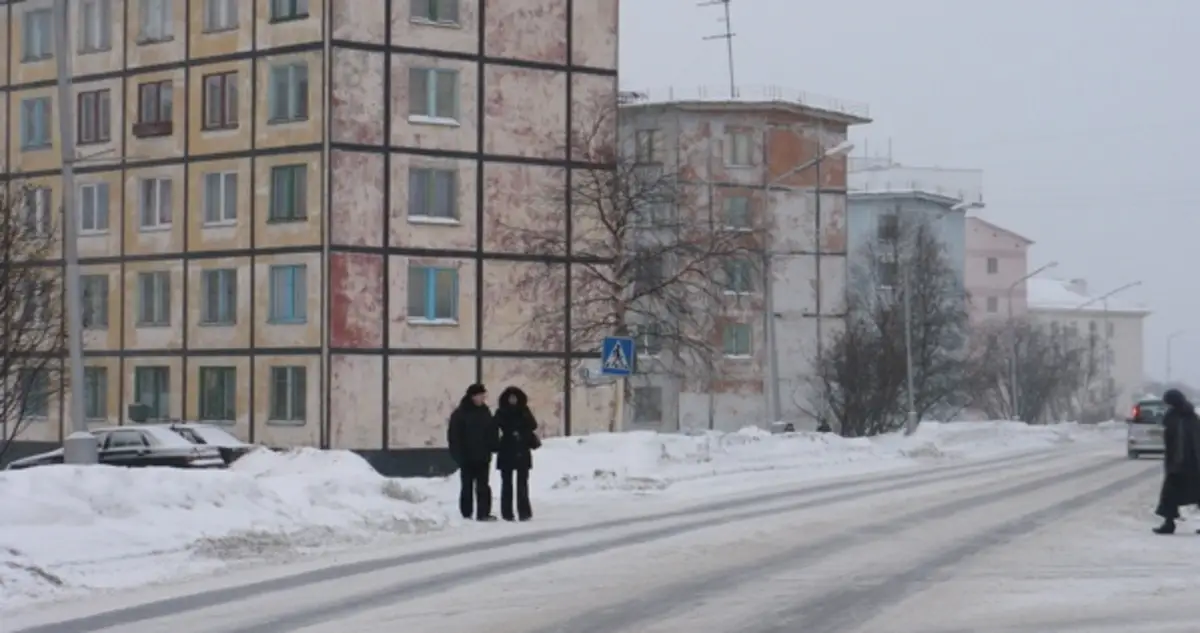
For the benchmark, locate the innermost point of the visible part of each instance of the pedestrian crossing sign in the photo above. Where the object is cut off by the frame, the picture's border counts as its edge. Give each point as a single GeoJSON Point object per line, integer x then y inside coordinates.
{"type": "Point", "coordinates": [617, 356]}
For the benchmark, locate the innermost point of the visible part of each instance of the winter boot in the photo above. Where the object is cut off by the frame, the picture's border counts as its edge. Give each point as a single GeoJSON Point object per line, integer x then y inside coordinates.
{"type": "Point", "coordinates": [1168, 527]}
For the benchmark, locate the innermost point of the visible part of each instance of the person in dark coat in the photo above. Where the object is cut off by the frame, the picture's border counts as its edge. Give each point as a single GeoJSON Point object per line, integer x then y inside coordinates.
{"type": "Point", "coordinates": [1181, 460]}
{"type": "Point", "coordinates": [472, 438]}
{"type": "Point", "coordinates": [514, 459]}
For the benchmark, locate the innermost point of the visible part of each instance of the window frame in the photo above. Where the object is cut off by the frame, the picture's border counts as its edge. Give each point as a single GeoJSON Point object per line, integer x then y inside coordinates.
{"type": "Point", "coordinates": [37, 214]}
{"type": "Point", "coordinates": [150, 32]}
{"type": "Point", "coordinates": [433, 9]}
{"type": "Point", "coordinates": [95, 302]}
{"type": "Point", "coordinates": [95, 36]}
{"type": "Point", "coordinates": [225, 86]}
{"type": "Point", "coordinates": [33, 110]}
{"type": "Point", "coordinates": [289, 10]}
{"type": "Point", "coordinates": [745, 211]}
{"type": "Point", "coordinates": [44, 41]}
{"type": "Point", "coordinates": [297, 92]}
{"type": "Point", "coordinates": [94, 117]}
{"type": "Point", "coordinates": [212, 379]}
{"type": "Point", "coordinates": [731, 340]}
{"type": "Point", "coordinates": [294, 381]}
{"type": "Point", "coordinates": [225, 202]}
{"type": "Point", "coordinates": [99, 194]}
{"type": "Point", "coordinates": [160, 409]}
{"type": "Point", "coordinates": [159, 310]}
{"type": "Point", "coordinates": [428, 275]}
{"type": "Point", "coordinates": [297, 281]}
{"type": "Point", "coordinates": [30, 378]}
{"type": "Point", "coordinates": [163, 195]}
{"type": "Point", "coordinates": [741, 142]}
{"type": "Point", "coordinates": [95, 393]}
{"type": "Point", "coordinates": [425, 179]}
{"type": "Point", "coordinates": [429, 112]}
{"type": "Point", "coordinates": [212, 21]}
{"type": "Point", "coordinates": [299, 194]}
{"type": "Point", "coordinates": [731, 288]}
{"type": "Point", "coordinates": [993, 265]}
{"type": "Point", "coordinates": [155, 109]}
{"type": "Point", "coordinates": [224, 313]}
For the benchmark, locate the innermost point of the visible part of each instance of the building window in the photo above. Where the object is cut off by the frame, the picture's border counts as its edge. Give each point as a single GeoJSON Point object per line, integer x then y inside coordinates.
{"type": "Point", "coordinates": [432, 294]}
{"type": "Point", "coordinates": [218, 394]}
{"type": "Point", "coordinates": [288, 10]}
{"type": "Point", "coordinates": [647, 405]}
{"type": "Point", "coordinates": [95, 25]}
{"type": "Point", "coordinates": [35, 393]}
{"type": "Point", "coordinates": [36, 216]}
{"type": "Point", "coordinates": [220, 198]}
{"type": "Point", "coordinates": [95, 117]}
{"type": "Point", "coordinates": [287, 96]}
{"type": "Point", "coordinates": [156, 21]}
{"type": "Point", "coordinates": [221, 101]}
{"type": "Point", "coordinates": [220, 15]}
{"type": "Point", "coordinates": [993, 304]}
{"type": "Point", "coordinates": [888, 273]}
{"type": "Point", "coordinates": [219, 296]}
{"type": "Point", "coordinates": [887, 228]}
{"type": "Point", "coordinates": [436, 11]}
{"type": "Point", "coordinates": [289, 394]}
{"type": "Point", "coordinates": [35, 123]}
{"type": "Point", "coordinates": [648, 275]}
{"type": "Point", "coordinates": [1110, 329]}
{"type": "Point", "coordinates": [289, 294]}
{"type": "Point", "coordinates": [741, 149]}
{"type": "Point", "coordinates": [433, 94]}
{"type": "Point", "coordinates": [649, 340]}
{"type": "Point", "coordinates": [736, 340]}
{"type": "Point", "coordinates": [737, 212]}
{"type": "Point", "coordinates": [95, 393]}
{"type": "Point", "coordinates": [289, 193]}
{"type": "Point", "coordinates": [647, 147]}
{"type": "Point", "coordinates": [93, 208]}
{"type": "Point", "coordinates": [154, 299]}
{"type": "Point", "coordinates": [95, 301]}
{"type": "Point", "coordinates": [154, 203]}
{"type": "Point", "coordinates": [739, 277]}
{"type": "Point", "coordinates": [152, 389]}
{"type": "Point", "coordinates": [432, 193]}
{"type": "Point", "coordinates": [38, 32]}
{"type": "Point", "coordinates": [993, 265]}
{"type": "Point", "coordinates": [155, 109]}
{"type": "Point", "coordinates": [37, 295]}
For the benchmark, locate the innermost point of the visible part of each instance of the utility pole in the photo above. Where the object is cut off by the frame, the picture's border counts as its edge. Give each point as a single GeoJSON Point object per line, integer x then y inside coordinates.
{"type": "Point", "coordinates": [80, 446]}
{"type": "Point", "coordinates": [728, 36]}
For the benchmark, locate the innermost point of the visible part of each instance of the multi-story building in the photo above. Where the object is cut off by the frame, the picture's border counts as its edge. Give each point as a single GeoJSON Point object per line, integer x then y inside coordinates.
{"type": "Point", "coordinates": [284, 204]}
{"type": "Point", "coordinates": [1113, 328]}
{"type": "Point", "coordinates": [753, 156]}
{"type": "Point", "coordinates": [996, 261]}
{"type": "Point", "coordinates": [884, 197]}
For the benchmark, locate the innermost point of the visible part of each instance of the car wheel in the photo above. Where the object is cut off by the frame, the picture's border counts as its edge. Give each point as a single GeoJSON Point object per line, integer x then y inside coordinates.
{"type": "Point", "coordinates": [1134, 455]}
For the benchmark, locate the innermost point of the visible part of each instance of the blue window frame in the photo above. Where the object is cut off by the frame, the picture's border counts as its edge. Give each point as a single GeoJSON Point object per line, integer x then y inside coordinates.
{"type": "Point", "coordinates": [432, 293]}
{"type": "Point", "coordinates": [289, 294]}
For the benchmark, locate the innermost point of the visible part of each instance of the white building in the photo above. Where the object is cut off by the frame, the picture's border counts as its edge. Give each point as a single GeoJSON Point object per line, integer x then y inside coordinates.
{"type": "Point", "coordinates": [1118, 322]}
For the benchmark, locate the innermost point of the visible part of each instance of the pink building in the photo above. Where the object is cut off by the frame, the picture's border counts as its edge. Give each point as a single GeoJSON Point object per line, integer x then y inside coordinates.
{"type": "Point", "coordinates": [996, 258]}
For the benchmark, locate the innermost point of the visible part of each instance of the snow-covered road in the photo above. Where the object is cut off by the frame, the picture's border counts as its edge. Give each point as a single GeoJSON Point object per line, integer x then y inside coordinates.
{"type": "Point", "coordinates": [1048, 541]}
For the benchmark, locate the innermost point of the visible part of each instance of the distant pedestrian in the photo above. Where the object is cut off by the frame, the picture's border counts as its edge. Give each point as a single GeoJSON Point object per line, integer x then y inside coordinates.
{"type": "Point", "coordinates": [472, 438]}
{"type": "Point", "coordinates": [1181, 460]}
{"type": "Point", "coordinates": [514, 460]}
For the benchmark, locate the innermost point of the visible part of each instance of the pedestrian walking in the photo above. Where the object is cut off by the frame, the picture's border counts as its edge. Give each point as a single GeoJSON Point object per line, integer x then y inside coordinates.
{"type": "Point", "coordinates": [514, 459]}
{"type": "Point", "coordinates": [1181, 460]}
{"type": "Point", "coordinates": [472, 437]}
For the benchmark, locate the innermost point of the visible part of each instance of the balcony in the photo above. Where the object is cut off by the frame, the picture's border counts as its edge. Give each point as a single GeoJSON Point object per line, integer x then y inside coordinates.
{"type": "Point", "coordinates": [151, 129]}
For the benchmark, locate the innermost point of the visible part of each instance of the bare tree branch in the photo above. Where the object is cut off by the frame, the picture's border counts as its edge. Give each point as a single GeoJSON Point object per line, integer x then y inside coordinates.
{"type": "Point", "coordinates": [32, 332]}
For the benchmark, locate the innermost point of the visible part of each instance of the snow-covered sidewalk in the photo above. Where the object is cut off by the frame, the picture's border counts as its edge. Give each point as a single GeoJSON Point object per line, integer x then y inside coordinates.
{"type": "Point", "coordinates": [69, 530]}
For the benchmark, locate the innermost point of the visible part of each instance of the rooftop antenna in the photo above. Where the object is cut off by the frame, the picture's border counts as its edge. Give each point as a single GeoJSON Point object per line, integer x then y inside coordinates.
{"type": "Point", "coordinates": [728, 36]}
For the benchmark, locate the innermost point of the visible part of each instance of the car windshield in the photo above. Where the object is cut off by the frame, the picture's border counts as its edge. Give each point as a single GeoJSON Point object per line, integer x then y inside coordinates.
{"type": "Point", "coordinates": [1151, 412]}
{"type": "Point", "coordinates": [165, 438]}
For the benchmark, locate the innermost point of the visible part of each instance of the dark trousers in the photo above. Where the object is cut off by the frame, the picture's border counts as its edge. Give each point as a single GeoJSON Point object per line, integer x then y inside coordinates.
{"type": "Point", "coordinates": [524, 508]}
{"type": "Point", "coordinates": [475, 493]}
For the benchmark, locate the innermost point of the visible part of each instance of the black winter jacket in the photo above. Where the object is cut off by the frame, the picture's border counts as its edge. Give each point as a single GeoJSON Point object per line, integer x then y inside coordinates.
{"type": "Point", "coordinates": [472, 436]}
{"type": "Point", "coordinates": [518, 429]}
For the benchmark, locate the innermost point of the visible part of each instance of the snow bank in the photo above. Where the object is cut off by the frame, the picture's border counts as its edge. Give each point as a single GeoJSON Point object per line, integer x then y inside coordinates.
{"type": "Point", "coordinates": [66, 529]}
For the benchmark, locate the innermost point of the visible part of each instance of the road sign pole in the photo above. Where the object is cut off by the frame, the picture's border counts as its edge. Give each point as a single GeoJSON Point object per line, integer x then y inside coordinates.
{"type": "Point", "coordinates": [619, 414]}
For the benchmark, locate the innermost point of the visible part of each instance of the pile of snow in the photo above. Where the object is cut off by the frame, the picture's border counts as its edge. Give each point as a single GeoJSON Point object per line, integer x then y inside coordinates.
{"type": "Point", "coordinates": [65, 529]}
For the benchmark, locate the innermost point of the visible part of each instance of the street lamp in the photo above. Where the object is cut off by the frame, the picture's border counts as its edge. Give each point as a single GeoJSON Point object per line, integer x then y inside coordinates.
{"type": "Point", "coordinates": [1172, 337]}
{"type": "Point", "coordinates": [840, 149]}
{"type": "Point", "coordinates": [1014, 391]}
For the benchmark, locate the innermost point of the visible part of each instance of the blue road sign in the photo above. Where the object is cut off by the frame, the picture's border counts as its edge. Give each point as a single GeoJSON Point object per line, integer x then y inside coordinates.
{"type": "Point", "coordinates": [616, 356]}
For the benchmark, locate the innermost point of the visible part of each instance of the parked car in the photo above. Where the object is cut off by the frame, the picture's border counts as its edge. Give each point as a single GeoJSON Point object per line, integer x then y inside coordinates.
{"type": "Point", "coordinates": [137, 446]}
{"type": "Point", "coordinates": [1145, 434]}
{"type": "Point", "coordinates": [227, 443]}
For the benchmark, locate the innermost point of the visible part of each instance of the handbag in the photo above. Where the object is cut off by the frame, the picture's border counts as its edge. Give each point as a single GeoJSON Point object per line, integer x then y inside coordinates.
{"type": "Point", "coordinates": [535, 442]}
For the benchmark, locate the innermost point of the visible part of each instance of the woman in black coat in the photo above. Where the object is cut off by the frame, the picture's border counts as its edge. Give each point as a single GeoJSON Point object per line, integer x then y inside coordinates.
{"type": "Point", "coordinates": [1181, 460]}
{"type": "Point", "coordinates": [514, 459]}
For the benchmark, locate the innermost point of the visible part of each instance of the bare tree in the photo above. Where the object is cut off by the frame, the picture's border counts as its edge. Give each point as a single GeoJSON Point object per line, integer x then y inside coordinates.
{"type": "Point", "coordinates": [32, 332]}
{"type": "Point", "coordinates": [1051, 371]}
{"type": "Point", "coordinates": [650, 256]}
{"type": "Point", "coordinates": [861, 380]}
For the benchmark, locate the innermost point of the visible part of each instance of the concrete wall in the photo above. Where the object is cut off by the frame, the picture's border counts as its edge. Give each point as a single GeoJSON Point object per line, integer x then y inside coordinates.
{"type": "Point", "coordinates": [1011, 252]}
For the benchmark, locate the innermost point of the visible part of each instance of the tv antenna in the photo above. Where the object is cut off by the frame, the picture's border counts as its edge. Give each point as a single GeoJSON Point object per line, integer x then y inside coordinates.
{"type": "Point", "coordinates": [728, 36]}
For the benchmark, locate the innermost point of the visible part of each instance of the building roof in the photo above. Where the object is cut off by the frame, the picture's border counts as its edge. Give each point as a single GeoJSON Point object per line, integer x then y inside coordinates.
{"type": "Point", "coordinates": [996, 227]}
{"type": "Point", "coordinates": [1057, 295]}
{"type": "Point", "coordinates": [751, 98]}
{"type": "Point", "coordinates": [935, 198]}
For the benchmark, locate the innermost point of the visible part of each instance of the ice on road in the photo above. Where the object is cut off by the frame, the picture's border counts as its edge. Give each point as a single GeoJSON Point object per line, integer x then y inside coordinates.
{"type": "Point", "coordinates": [1051, 541]}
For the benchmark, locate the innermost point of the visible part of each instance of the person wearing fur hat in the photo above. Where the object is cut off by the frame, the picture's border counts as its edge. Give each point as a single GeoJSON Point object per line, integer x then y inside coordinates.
{"type": "Point", "coordinates": [514, 459]}
{"type": "Point", "coordinates": [1181, 460]}
{"type": "Point", "coordinates": [472, 437]}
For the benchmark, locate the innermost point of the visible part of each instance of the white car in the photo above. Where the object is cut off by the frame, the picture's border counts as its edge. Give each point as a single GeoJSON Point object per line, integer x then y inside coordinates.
{"type": "Point", "coordinates": [230, 447]}
{"type": "Point", "coordinates": [135, 446]}
{"type": "Point", "coordinates": [1145, 435]}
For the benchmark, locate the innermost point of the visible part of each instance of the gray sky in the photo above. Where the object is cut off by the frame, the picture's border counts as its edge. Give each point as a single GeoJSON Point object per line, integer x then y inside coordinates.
{"type": "Point", "coordinates": [1082, 114]}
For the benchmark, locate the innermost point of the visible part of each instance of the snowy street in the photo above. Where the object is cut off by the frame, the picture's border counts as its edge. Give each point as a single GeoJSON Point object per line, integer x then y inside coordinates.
{"type": "Point", "coordinates": [1044, 540]}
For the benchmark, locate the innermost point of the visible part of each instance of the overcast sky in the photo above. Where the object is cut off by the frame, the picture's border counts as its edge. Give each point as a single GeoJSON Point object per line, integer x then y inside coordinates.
{"type": "Point", "coordinates": [1083, 114]}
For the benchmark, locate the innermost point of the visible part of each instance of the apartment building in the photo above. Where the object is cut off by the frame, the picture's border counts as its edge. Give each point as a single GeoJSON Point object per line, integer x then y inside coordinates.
{"type": "Point", "coordinates": [996, 261]}
{"type": "Point", "coordinates": [284, 203]}
{"type": "Point", "coordinates": [751, 159]}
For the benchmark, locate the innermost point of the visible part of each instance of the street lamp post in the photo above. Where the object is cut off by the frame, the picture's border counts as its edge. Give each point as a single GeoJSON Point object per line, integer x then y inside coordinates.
{"type": "Point", "coordinates": [776, 404]}
{"type": "Point", "coordinates": [1013, 374]}
{"type": "Point", "coordinates": [1171, 338]}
